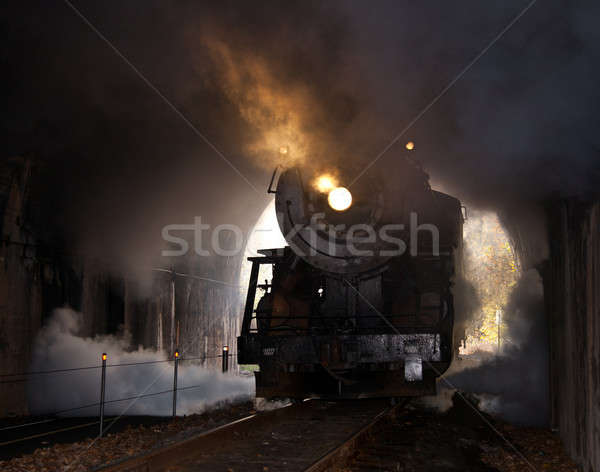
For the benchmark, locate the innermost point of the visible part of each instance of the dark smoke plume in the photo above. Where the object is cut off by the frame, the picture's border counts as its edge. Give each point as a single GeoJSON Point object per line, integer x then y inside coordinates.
{"type": "Point", "coordinates": [335, 82]}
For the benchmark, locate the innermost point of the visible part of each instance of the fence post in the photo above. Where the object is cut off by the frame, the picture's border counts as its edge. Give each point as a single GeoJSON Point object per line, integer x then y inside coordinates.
{"type": "Point", "coordinates": [102, 389]}
{"type": "Point", "coordinates": [225, 358]}
{"type": "Point", "coordinates": [176, 354]}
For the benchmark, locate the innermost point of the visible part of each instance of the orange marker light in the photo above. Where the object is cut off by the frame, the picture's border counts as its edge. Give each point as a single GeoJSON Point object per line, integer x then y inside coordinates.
{"type": "Point", "coordinates": [176, 354]}
{"type": "Point", "coordinates": [410, 145]}
{"type": "Point", "coordinates": [104, 356]}
{"type": "Point", "coordinates": [225, 348]}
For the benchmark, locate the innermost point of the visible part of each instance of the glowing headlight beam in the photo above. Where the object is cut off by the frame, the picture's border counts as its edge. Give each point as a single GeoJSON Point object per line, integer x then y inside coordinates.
{"type": "Point", "coordinates": [325, 183]}
{"type": "Point", "coordinates": [340, 199]}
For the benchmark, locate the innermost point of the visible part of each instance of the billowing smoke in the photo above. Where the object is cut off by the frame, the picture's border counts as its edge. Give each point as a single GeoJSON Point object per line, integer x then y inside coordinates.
{"type": "Point", "coordinates": [335, 83]}
{"type": "Point", "coordinates": [513, 385]}
{"type": "Point", "coordinates": [58, 346]}
{"type": "Point", "coordinates": [499, 310]}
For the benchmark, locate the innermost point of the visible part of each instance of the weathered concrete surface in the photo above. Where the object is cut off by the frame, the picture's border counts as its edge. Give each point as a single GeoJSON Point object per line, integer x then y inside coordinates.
{"type": "Point", "coordinates": [37, 276]}
{"type": "Point", "coordinates": [20, 288]}
{"type": "Point", "coordinates": [572, 288]}
{"type": "Point", "coordinates": [206, 317]}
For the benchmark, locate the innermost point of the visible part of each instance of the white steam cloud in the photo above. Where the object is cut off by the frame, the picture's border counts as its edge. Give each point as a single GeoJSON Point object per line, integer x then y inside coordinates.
{"type": "Point", "coordinates": [58, 346]}
{"type": "Point", "coordinates": [513, 385]}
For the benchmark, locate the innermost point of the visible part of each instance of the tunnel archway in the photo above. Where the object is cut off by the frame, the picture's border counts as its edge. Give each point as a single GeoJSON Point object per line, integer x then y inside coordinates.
{"type": "Point", "coordinates": [491, 266]}
{"type": "Point", "coordinates": [265, 234]}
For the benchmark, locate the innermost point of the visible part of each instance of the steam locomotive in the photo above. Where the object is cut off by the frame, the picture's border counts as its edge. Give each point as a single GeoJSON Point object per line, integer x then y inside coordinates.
{"type": "Point", "coordinates": [359, 304]}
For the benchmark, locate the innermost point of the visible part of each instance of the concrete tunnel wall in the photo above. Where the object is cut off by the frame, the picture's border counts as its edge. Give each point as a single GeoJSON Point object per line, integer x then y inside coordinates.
{"type": "Point", "coordinates": [570, 268]}
{"type": "Point", "coordinates": [572, 293]}
{"type": "Point", "coordinates": [36, 278]}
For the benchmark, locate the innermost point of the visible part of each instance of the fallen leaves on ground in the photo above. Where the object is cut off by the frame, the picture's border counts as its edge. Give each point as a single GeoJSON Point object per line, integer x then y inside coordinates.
{"type": "Point", "coordinates": [538, 450]}
{"type": "Point", "coordinates": [91, 453]}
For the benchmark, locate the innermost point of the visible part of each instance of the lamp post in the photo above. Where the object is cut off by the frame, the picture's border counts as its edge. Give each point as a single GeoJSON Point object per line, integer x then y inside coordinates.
{"type": "Point", "coordinates": [176, 356]}
{"type": "Point", "coordinates": [225, 358]}
{"type": "Point", "coordinates": [102, 389]}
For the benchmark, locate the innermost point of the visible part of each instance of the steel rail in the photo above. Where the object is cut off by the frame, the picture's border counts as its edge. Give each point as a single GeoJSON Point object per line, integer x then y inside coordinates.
{"type": "Point", "coordinates": [163, 458]}
{"type": "Point", "coordinates": [339, 454]}
{"type": "Point", "coordinates": [160, 459]}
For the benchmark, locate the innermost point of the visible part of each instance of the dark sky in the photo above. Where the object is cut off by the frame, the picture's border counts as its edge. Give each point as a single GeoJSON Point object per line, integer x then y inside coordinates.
{"type": "Point", "coordinates": [336, 82]}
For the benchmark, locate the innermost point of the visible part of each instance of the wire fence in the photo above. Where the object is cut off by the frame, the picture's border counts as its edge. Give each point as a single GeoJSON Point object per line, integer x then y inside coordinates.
{"type": "Point", "coordinates": [134, 397]}
{"type": "Point", "coordinates": [99, 366]}
{"type": "Point", "coordinates": [90, 405]}
{"type": "Point", "coordinates": [22, 377]}
{"type": "Point", "coordinates": [224, 355]}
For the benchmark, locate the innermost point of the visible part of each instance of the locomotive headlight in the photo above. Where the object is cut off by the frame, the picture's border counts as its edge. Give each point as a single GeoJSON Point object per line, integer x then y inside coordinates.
{"type": "Point", "coordinates": [340, 199]}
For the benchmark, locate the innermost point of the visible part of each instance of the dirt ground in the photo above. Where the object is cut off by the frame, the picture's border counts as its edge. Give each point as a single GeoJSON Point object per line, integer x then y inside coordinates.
{"type": "Point", "coordinates": [462, 439]}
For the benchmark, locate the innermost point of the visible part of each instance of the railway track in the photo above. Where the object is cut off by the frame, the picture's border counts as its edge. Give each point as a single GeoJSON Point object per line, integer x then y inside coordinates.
{"type": "Point", "coordinates": [17, 439]}
{"type": "Point", "coordinates": [312, 436]}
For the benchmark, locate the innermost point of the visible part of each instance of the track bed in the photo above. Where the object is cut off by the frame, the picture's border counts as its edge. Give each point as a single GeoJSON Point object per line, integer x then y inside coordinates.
{"type": "Point", "coordinates": [294, 438]}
